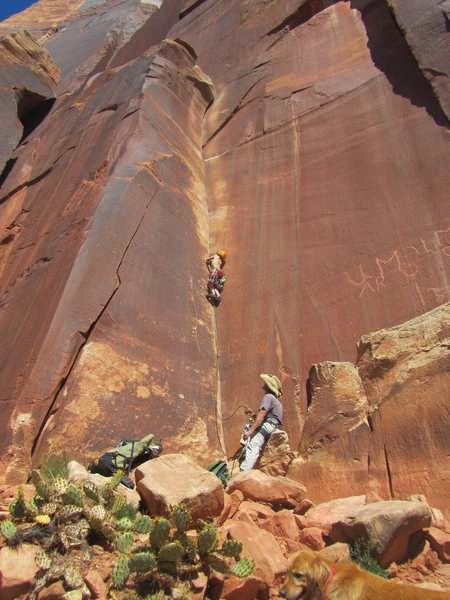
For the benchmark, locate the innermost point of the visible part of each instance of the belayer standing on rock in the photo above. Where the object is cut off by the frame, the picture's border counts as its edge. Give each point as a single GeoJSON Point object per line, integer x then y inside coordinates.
{"type": "Point", "coordinates": [269, 418]}
{"type": "Point", "coordinates": [216, 280]}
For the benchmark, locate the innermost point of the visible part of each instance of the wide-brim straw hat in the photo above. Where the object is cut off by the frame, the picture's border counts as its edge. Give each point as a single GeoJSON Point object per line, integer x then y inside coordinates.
{"type": "Point", "coordinates": [273, 383]}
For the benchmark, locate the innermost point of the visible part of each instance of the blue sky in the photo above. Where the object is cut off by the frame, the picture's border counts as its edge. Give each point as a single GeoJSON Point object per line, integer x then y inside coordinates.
{"type": "Point", "coordinates": [9, 7]}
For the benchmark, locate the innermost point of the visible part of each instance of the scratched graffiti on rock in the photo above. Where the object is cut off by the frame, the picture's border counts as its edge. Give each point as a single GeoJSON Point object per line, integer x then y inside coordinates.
{"type": "Point", "coordinates": [408, 261]}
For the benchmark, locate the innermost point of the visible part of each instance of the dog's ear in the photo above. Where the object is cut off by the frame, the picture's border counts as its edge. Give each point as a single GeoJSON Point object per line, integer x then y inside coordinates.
{"type": "Point", "coordinates": [320, 570]}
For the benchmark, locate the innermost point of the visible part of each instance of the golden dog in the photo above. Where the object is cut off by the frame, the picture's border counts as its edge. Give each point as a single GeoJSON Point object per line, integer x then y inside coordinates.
{"type": "Point", "coordinates": [314, 577]}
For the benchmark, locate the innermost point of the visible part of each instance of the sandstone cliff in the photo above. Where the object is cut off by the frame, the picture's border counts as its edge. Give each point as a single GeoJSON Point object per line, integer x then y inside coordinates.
{"type": "Point", "coordinates": [309, 138]}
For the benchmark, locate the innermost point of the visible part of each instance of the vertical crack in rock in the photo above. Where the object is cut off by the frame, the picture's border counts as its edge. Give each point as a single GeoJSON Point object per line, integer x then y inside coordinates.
{"type": "Point", "coordinates": [388, 471]}
{"type": "Point", "coordinates": [218, 400]}
{"type": "Point", "coordinates": [87, 334]}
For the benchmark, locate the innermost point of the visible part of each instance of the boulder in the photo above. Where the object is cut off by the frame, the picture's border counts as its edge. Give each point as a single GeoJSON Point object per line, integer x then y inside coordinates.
{"type": "Point", "coordinates": [303, 506]}
{"type": "Point", "coordinates": [96, 585]}
{"type": "Point", "coordinates": [262, 547]}
{"type": "Point", "coordinates": [235, 588]}
{"type": "Point", "coordinates": [325, 514]}
{"type": "Point", "coordinates": [227, 502]}
{"type": "Point", "coordinates": [440, 542]}
{"type": "Point", "coordinates": [386, 525]}
{"type": "Point", "coordinates": [276, 454]}
{"type": "Point", "coordinates": [171, 479]}
{"type": "Point", "coordinates": [312, 537]}
{"type": "Point", "coordinates": [276, 491]}
{"type": "Point", "coordinates": [282, 524]}
{"type": "Point", "coordinates": [261, 511]}
{"type": "Point", "coordinates": [55, 591]}
{"type": "Point", "coordinates": [79, 474]}
{"type": "Point", "coordinates": [17, 570]}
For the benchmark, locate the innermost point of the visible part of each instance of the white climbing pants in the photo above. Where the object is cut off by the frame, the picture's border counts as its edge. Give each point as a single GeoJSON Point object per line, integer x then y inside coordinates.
{"type": "Point", "coordinates": [254, 446]}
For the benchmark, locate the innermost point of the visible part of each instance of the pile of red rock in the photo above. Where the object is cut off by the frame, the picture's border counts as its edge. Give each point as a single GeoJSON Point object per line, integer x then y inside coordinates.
{"type": "Point", "coordinates": [272, 518]}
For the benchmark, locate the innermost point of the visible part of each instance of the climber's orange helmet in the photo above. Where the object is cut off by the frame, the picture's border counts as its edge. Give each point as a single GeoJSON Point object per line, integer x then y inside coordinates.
{"type": "Point", "coordinates": [223, 254]}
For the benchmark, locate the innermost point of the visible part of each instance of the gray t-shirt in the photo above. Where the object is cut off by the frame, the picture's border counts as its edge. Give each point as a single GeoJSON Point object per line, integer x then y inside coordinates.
{"type": "Point", "coordinates": [273, 406]}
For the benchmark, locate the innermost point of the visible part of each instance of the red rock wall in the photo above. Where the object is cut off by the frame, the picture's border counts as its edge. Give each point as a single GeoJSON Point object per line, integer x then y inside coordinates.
{"type": "Point", "coordinates": [325, 158]}
{"type": "Point", "coordinates": [321, 166]}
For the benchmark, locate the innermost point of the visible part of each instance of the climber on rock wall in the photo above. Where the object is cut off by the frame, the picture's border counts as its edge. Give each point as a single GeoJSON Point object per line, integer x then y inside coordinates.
{"type": "Point", "coordinates": [268, 418]}
{"type": "Point", "coordinates": [216, 280]}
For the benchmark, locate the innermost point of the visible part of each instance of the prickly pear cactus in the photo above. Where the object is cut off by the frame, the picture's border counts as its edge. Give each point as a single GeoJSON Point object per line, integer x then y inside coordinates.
{"type": "Point", "coordinates": [9, 530]}
{"type": "Point", "coordinates": [49, 508]}
{"type": "Point", "coordinates": [159, 533]}
{"type": "Point", "coordinates": [143, 524]}
{"type": "Point", "coordinates": [121, 572]}
{"type": "Point", "coordinates": [41, 486]}
{"type": "Point", "coordinates": [170, 552]}
{"type": "Point", "coordinates": [231, 548]}
{"type": "Point", "coordinates": [17, 509]}
{"type": "Point", "coordinates": [243, 568]}
{"type": "Point", "coordinates": [63, 541]}
{"type": "Point", "coordinates": [69, 512]}
{"type": "Point", "coordinates": [127, 511]}
{"type": "Point", "coordinates": [91, 490]}
{"type": "Point", "coordinates": [207, 540]}
{"type": "Point", "coordinates": [43, 560]}
{"type": "Point", "coordinates": [119, 504]}
{"type": "Point", "coordinates": [124, 524]}
{"type": "Point", "coordinates": [190, 553]}
{"type": "Point", "coordinates": [97, 512]}
{"type": "Point", "coordinates": [108, 531]}
{"type": "Point", "coordinates": [73, 578]}
{"type": "Point", "coordinates": [141, 562]}
{"type": "Point", "coordinates": [73, 496]}
{"type": "Point", "coordinates": [181, 518]}
{"type": "Point", "coordinates": [107, 490]}
{"type": "Point", "coordinates": [124, 542]}
{"type": "Point", "coordinates": [61, 485]}
{"type": "Point", "coordinates": [217, 562]}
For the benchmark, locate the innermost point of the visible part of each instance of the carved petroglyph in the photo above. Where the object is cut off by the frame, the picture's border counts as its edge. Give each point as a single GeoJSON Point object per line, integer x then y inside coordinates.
{"type": "Point", "coordinates": [407, 262]}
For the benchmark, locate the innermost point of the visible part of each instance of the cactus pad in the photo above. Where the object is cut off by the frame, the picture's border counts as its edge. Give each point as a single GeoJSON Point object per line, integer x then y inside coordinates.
{"type": "Point", "coordinates": [243, 568]}
{"type": "Point", "coordinates": [124, 524]}
{"type": "Point", "coordinates": [121, 572]}
{"type": "Point", "coordinates": [181, 518]}
{"type": "Point", "coordinates": [143, 524]}
{"type": "Point", "coordinates": [231, 548]}
{"type": "Point", "coordinates": [42, 560]}
{"type": "Point", "coordinates": [61, 485]}
{"type": "Point", "coordinates": [73, 578]}
{"type": "Point", "coordinates": [170, 552]}
{"type": "Point", "coordinates": [207, 540]}
{"type": "Point", "coordinates": [159, 533]}
{"type": "Point", "coordinates": [119, 504]}
{"type": "Point", "coordinates": [69, 512]}
{"type": "Point", "coordinates": [73, 496]}
{"type": "Point", "coordinates": [124, 542]}
{"type": "Point", "coordinates": [91, 490]}
{"type": "Point", "coordinates": [141, 562]}
{"type": "Point", "coordinates": [9, 530]}
{"type": "Point", "coordinates": [217, 562]}
{"type": "Point", "coordinates": [17, 509]}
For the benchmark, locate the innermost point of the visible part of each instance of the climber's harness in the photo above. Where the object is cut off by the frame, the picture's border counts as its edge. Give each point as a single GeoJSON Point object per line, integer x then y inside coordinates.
{"type": "Point", "coordinates": [270, 420]}
{"type": "Point", "coordinates": [273, 420]}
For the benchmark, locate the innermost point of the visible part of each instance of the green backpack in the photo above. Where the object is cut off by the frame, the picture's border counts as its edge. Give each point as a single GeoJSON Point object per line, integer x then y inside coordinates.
{"type": "Point", "coordinates": [220, 470]}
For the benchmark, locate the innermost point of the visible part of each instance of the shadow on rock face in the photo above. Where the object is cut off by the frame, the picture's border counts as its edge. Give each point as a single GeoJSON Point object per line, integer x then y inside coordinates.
{"type": "Point", "coordinates": [392, 55]}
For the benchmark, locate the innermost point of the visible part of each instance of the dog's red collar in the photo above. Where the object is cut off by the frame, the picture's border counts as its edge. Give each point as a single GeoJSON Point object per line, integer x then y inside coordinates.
{"type": "Point", "coordinates": [330, 579]}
